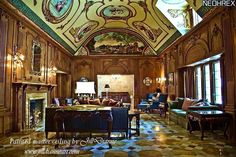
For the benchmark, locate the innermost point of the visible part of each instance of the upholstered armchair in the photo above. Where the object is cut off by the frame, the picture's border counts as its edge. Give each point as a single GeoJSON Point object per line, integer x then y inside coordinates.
{"type": "Point", "coordinates": [120, 120]}
{"type": "Point", "coordinates": [162, 99]}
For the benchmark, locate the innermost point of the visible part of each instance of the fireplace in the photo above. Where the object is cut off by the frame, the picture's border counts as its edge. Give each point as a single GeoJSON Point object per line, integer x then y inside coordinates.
{"type": "Point", "coordinates": [35, 111]}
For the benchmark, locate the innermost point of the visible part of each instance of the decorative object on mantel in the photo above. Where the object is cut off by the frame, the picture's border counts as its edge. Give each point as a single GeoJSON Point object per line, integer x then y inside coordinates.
{"type": "Point", "coordinates": [147, 81]}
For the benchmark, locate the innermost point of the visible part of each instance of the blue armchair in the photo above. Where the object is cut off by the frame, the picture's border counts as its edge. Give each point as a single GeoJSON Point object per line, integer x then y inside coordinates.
{"type": "Point", "coordinates": [162, 99]}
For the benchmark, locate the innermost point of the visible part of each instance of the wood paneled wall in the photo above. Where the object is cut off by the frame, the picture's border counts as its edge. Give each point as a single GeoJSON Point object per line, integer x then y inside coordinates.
{"type": "Point", "coordinates": [15, 81]}
{"type": "Point", "coordinates": [140, 67]}
{"type": "Point", "coordinates": [216, 34]}
{"type": "Point", "coordinates": [203, 41]}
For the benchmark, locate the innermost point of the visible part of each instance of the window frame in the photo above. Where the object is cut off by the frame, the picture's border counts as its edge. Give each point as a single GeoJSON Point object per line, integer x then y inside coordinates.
{"type": "Point", "coordinates": [212, 81]}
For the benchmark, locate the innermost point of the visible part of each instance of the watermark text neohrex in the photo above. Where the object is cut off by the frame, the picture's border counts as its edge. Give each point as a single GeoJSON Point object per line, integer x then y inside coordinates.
{"type": "Point", "coordinates": [222, 3]}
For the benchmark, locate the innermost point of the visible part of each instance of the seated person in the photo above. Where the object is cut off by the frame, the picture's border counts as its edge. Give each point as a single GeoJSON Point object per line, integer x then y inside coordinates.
{"type": "Point", "coordinates": [156, 95]}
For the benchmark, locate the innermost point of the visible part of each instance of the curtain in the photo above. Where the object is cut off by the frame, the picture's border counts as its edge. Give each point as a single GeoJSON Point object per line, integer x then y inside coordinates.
{"type": "Point", "coordinates": [189, 82]}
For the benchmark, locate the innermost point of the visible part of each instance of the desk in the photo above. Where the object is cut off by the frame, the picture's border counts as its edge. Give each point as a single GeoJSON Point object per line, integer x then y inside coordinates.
{"type": "Point", "coordinates": [207, 117]}
{"type": "Point", "coordinates": [131, 115]}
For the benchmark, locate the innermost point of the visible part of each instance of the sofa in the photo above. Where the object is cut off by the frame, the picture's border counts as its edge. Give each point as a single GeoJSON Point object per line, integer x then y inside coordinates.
{"type": "Point", "coordinates": [178, 109]}
{"type": "Point", "coordinates": [94, 122]}
{"type": "Point", "coordinates": [83, 101]}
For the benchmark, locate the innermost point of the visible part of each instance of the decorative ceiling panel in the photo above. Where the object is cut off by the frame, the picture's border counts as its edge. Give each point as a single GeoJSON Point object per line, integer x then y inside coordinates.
{"type": "Point", "coordinates": [79, 24]}
{"type": "Point", "coordinates": [177, 12]}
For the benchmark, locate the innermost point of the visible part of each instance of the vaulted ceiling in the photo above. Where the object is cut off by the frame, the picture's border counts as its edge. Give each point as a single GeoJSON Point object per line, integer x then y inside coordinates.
{"type": "Point", "coordinates": [111, 27]}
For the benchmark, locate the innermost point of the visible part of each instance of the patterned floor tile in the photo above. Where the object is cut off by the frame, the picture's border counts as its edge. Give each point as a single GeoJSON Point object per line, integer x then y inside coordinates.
{"type": "Point", "coordinates": [159, 137]}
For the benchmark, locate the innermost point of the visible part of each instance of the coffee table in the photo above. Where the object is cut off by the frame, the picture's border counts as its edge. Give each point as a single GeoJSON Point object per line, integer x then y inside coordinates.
{"type": "Point", "coordinates": [208, 117]}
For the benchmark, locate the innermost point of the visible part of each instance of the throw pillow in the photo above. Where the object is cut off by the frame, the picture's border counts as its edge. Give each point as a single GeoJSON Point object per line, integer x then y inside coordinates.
{"type": "Point", "coordinates": [83, 101]}
{"type": "Point", "coordinates": [186, 104]}
{"type": "Point", "coordinates": [194, 102]}
{"type": "Point", "coordinates": [62, 102]}
{"type": "Point", "coordinates": [76, 102]}
{"type": "Point", "coordinates": [91, 101]}
{"type": "Point", "coordinates": [112, 102]}
{"type": "Point", "coordinates": [198, 104]}
{"type": "Point", "coordinates": [105, 102]}
{"type": "Point", "coordinates": [94, 101]}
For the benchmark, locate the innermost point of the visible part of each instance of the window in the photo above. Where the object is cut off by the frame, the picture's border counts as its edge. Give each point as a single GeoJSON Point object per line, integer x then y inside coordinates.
{"type": "Point", "coordinates": [217, 83]}
{"type": "Point", "coordinates": [198, 82]}
{"type": "Point", "coordinates": [207, 83]}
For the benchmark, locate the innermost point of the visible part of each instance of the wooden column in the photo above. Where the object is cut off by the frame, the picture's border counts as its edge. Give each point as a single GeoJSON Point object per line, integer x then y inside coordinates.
{"type": "Point", "coordinates": [229, 65]}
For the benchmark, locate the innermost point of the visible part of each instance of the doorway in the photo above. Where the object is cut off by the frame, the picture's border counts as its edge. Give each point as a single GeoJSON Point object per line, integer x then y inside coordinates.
{"type": "Point", "coordinates": [117, 83]}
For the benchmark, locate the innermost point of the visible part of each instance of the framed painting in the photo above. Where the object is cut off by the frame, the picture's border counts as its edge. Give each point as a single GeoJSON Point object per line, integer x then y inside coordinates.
{"type": "Point", "coordinates": [171, 78]}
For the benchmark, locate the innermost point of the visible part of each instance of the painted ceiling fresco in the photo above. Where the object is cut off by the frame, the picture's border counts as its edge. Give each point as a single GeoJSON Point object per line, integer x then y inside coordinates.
{"type": "Point", "coordinates": [116, 43]}
{"type": "Point", "coordinates": [101, 27]}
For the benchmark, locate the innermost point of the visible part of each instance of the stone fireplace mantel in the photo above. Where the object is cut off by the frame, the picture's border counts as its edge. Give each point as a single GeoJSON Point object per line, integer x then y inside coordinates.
{"type": "Point", "coordinates": [37, 85]}
{"type": "Point", "coordinates": [20, 91]}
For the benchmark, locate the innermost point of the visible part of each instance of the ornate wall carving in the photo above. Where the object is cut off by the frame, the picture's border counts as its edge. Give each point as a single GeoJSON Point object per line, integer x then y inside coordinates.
{"type": "Point", "coordinates": [90, 67]}
{"type": "Point", "coordinates": [17, 37]}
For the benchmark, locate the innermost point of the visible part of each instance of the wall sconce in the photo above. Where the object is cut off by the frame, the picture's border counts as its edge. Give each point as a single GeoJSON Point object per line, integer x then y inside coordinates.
{"type": "Point", "coordinates": [18, 59]}
{"type": "Point", "coordinates": [160, 80]}
{"type": "Point", "coordinates": [52, 70]}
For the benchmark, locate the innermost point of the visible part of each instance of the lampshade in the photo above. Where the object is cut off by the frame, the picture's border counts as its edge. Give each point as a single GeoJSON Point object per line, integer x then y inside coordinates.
{"type": "Point", "coordinates": [85, 87]}
{"type": "Point", "coordinates": [107, 86]}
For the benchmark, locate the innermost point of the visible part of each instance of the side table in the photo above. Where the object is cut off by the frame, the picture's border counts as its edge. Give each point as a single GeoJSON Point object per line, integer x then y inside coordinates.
{"type": "Point", "coordinates": [208, 117]}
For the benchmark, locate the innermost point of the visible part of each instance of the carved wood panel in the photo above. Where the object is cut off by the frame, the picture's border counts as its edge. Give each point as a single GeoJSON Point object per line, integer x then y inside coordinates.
{"type": "Point", "coordinates": [92, 66]}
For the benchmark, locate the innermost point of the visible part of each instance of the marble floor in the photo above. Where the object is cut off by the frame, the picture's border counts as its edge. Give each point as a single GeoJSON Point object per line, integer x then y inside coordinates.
{"type": "Point", "coordinates": [159, 138]}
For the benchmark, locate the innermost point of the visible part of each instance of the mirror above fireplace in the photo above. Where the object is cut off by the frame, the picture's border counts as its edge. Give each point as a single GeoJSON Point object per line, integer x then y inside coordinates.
{"type": "Point", "coordinates": [36, 58]}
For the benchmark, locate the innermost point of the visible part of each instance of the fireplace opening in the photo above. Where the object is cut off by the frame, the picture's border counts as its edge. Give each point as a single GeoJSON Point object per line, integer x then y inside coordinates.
{"type": "Point", "coordinates": [36, 114]}
{"type": "Point", "coordinates": [35, 111]}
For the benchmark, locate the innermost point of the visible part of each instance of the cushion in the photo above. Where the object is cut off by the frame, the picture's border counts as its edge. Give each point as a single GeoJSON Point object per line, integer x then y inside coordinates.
{"type": "Point", "coordinates": [62, 102]}
{"type": "Point", "coordinates": [83, 101]}
{"type": "Point", "coordinates": [76, 102]}
{"type": "Point", "coordinates": [105, 102]}
{"type": "Point", "coordinates": [94, 101]}
{"type": "Point", "coordinates": [179, 112]}
{"type": "Point", "coordinates": [112, 102]}
{"type": "Point", "coordinates": [180, 102]}
{"type": "Point", "coordinates": [187, 102]}
{"type": "Point", "coordinates": [119, 104]}
{"type": "Point", "coordinates": [195, 101]}
{"type": "Point", "coordinates": [56, 101]}
{"type": "Point", "coordinates": [174, 104]}
{"type": "Point", "coordinates": [198, 103]}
